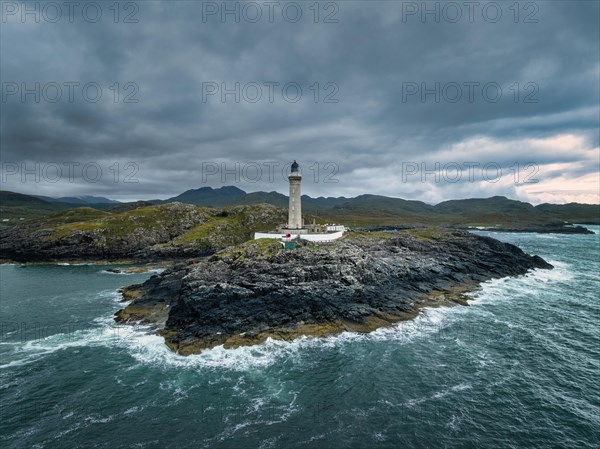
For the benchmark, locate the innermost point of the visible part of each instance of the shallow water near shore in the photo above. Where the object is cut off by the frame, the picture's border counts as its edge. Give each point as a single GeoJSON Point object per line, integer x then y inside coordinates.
{"type": "Point", "coordinates": [517, 368]}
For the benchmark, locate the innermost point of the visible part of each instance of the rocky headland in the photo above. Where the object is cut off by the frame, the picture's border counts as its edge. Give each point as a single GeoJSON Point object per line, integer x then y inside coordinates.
{"type": "Point", "coordinates": [149, 233]}
{"type": "Point", "coordinates": [540, 228]}
{"type": "Point", "coordinates": [249, 292]}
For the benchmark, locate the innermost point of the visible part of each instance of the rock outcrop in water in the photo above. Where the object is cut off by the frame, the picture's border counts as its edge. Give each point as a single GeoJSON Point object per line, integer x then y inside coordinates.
{"type": "Point", "coordinates": [247, 293]}
{"type": "Point", "coordinates": [540, 228]}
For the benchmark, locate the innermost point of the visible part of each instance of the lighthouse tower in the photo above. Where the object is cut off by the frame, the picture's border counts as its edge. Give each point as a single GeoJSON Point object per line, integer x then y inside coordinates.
{"type": "Point", "coordinates": [295, 231]}
{"type": "Point", "coordinates": [295, 206]}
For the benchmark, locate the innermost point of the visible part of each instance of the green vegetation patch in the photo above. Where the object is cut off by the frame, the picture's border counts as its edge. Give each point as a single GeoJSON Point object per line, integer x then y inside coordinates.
{"type": "Point", "coordinates": [253, 249]}
{"type": "Point", "coordinates": [431, 233]}
{"type": "Point", "coordinates": [150, 219]}
{"type": "Point", "coordinates": [231, 227]}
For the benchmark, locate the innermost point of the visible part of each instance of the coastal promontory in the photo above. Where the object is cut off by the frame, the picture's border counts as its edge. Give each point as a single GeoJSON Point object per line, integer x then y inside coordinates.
{"type": "Point", "coordinates": [247, 293]}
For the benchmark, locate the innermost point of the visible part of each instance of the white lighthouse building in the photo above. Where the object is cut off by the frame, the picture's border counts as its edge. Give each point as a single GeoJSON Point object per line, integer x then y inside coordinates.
{"type": "Point", "coordinates": [295, 203]}
{"type": "Point", "coordinates": [294, 229]}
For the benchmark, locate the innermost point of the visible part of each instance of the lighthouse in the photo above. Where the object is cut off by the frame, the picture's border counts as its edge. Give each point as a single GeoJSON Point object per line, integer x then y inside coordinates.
{"type": "Point", "coordinates": [295, 205]}
{"type": "Point", "coordinates": [294, 232]}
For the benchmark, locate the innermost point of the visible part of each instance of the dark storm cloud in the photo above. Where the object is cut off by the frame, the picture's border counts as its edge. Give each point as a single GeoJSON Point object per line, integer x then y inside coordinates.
{"type": "Point", "coordinates": [370, 54]}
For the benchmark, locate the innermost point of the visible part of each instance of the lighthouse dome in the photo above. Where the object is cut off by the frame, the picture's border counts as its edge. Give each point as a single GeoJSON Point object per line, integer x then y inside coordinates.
{"type": "Point", "coordinates": [295, 167]}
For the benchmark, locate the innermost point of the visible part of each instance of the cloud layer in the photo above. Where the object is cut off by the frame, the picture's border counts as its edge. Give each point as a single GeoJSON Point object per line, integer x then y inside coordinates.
{"type": "Point", "coordinates": [386, 87]}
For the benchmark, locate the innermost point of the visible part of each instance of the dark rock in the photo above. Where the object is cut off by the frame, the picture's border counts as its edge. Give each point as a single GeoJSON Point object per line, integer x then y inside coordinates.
{"type": "Point", "coordinates": [540, 228]}
{"type": "Point", "coordinates": [247, 293]}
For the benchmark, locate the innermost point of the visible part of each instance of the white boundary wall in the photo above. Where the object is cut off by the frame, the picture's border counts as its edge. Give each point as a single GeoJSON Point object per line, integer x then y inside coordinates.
{"type": "Point", "coordinates": [309, 237]}
{"type": "Point", "coordinates": [322, 237]}
{"type": "Point", "coordinates": [264, 235]}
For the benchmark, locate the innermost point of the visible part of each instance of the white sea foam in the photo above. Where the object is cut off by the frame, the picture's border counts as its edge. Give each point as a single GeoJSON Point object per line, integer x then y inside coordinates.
{"type": "Point", "coordinates": [81, 264]}
{"type": "Point", "coordinates": [104, 332]}
{"type": "Point", "coordinates": [148, 348]}
{"type": "Point", "coordinates": [151, 349]}
{"type": "Point", "coordinates": [34, 350]}
{"type": "Point", "coordinates": [133, 410]}
{"type": "Point", "coordinates": [530, 283]}
{"type": "Point", "coordinates": [124, 272]}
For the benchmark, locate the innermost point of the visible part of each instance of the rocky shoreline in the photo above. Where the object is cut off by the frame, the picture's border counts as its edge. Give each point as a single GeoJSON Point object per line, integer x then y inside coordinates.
{"type": "Point", "coordinates": [247, 293]}
{"type": "Point", "coordinates": [544, 228]}
{"type": "Point", "coordinates": [147, 234]}
{"type": "Point", "coordinates": [539, 228]}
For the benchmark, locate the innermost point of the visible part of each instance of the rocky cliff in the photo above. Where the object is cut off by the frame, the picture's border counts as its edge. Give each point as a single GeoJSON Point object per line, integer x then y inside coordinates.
{"type": "Point", "coordinates": [246, 293]}
{"type": "Point", "coordinates": [145, 233]}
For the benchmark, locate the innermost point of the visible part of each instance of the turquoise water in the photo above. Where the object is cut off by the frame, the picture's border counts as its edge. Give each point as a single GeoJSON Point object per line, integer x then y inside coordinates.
{"type": "Point", "coordinates": [518, 368]}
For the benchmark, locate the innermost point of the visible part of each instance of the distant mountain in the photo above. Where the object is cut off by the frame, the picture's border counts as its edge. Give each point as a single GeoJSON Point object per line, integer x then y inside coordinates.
{"type": "Point", "coordinates": [495, 205]}
{"type": "Point", "coordinates": [574, 212]}
{"type": "Point", "coordinates": [372, 209]}
{"type": "Point", "coordinates": [363, 210]}
{"type": "Point", "coordinates": [274, 198]}
{"type": "Point", "coordinates": [207, 196]}
{"type": "Point", "coordinates": [321, 202]}
{"type": "Point", "coordinates": [124, 207]}
{"type": "Point", "coordinates": [15, 207]}
{"type": "Point", "coordinates": [496, 210]}
{"type": "Point", "coordinates": [505, 210]}
{"type": "Point", "coordinates": [229, 196]}
{"type": "Point", "coordinates": [14, 199]}
{"type": "Point", "coordinates": [384, 203]}
{"type": "Point", "coordinates": [83, 199]}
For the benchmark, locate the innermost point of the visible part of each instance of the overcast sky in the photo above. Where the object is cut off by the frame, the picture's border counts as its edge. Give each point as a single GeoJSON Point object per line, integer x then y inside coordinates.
{"type": "Point", "coordinates": [427, 101]}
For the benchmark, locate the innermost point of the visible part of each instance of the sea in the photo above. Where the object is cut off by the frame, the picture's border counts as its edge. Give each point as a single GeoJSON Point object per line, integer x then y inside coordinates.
{"type": "Point", "coordinates": [518, 368]}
